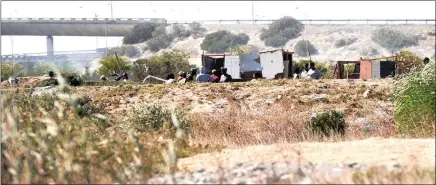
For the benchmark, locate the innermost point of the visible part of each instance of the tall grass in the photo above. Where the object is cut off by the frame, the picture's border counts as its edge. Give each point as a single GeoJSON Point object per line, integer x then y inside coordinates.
{"type": "Point", "coordinates": [63, 138]}
{"type": "Point", "coordinates": [414, 95]}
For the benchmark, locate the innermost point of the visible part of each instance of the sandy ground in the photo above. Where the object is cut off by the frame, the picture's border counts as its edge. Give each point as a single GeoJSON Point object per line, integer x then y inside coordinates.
{"type": "Point", "coordinates": [369, 151]}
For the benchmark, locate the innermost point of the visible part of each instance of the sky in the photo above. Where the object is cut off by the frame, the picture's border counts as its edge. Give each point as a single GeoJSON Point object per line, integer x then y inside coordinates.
{"type": "Point", "coordinates": [193, 10]}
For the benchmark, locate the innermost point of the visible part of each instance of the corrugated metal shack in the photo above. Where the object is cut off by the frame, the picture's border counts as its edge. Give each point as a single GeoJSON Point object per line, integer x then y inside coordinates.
{"type": "Point", "coordinates": [367, 68]}
{"type": "Point", "coordinates": [241, 67]}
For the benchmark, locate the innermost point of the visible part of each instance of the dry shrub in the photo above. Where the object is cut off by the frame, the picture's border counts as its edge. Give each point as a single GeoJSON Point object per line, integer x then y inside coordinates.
{"type": "Point", "coordinates": [62, 139]}
{"type": "Point", "coordinates": [284, 121]}
{"type": "Point", "coordinates": [241, 126]}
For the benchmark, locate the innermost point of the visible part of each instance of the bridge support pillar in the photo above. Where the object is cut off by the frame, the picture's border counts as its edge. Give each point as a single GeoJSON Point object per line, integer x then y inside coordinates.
{"type": "Point", "coordinates": [50, 49]}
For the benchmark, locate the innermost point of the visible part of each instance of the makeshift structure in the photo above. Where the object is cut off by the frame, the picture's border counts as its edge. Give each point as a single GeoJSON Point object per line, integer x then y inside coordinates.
{"type": "Point", "coordinates": [276, 64]}
{"type": "Point", "coordinates": [367, 68]}
{"type": "Point", "coordinates": [249, 65]}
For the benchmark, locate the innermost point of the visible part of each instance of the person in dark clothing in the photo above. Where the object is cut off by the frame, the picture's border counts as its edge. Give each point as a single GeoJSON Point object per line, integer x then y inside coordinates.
{"type": "Point", "coordinates": [170, 76]}
{"type": "Point", "coordinates": [426, 60]}
{"type": "Point", "coordinates": [192, 75]}
{"type": "Point", "coordinates": [118, 77]}
{"type": "Point", "coordinates": [51, 74]}
{"type": "Point", "coordinates": [125, 76]}
{"type": "Point", "coordinates": [297, 73]}
{"type": "Point", "coordinates": [170, 79]}
{"type": "Point", "coordinates": [225, 77]}
{"type": "Point", "coordinates": [215, 77]}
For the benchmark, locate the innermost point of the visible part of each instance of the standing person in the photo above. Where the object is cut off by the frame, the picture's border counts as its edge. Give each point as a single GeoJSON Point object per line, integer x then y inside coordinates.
{"type": "Point", "coordinates": [215, 78]}
{"type": "Point", "coordinates": [191, 76]}
{"type": "Point", "coordinates": [225, 77]}
{"type": "Point", "coordinates": [313, 73]}
{"type": "Point", "coordinates": [203, 77]}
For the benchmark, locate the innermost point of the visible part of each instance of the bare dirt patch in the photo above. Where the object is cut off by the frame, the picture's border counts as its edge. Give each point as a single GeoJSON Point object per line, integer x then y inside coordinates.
{"type": "Point", "coordinates": [373, 151]}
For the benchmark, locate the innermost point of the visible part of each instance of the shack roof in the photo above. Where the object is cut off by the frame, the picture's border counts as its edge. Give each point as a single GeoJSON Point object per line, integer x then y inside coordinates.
{"type": "Point", "coordinates": [271, 51]}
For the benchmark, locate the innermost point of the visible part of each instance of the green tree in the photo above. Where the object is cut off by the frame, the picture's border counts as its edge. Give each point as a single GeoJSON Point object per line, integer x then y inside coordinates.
{"type": "Point", "coordinates": [141, 33]}
{"type": "Point", "coordinates": [406, 60]}
{"type": "Point", "coordinates": [196, 30]}
{"type": "Point", "coordinates": [301, 48]}
{"type": "Point", "coordinates": [163, 64]}
{"type": "Point", "coordinates": [11, 69]}
{"type": "Point", "coordinates": [393, 40]}
{"type": "Point", "coordinates": [110, 65]}
{"type": "Point", "coordinates": [221, 41]}
{"type": "Point", "coordinates": [281, 31]}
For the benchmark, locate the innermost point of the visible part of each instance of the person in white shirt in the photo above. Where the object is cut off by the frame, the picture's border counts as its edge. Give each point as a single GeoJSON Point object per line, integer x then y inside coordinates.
{"type": "Point", "coordinates": [304, 71]}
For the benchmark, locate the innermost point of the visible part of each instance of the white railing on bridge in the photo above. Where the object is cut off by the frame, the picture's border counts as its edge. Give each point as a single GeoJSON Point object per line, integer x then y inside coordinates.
{"type": "Point", "coordinates": [242, 21]}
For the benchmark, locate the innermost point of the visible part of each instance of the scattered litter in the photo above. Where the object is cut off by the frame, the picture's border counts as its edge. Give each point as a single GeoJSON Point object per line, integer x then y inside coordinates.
{"type": "Point", "coordinates": [366, 93]}
{"type": "Point", "coordinates": [323, 87]}
{"type": "Point", "coordinates": [47, 89]}
{"type": "Point", "coordinates": [318, 97]}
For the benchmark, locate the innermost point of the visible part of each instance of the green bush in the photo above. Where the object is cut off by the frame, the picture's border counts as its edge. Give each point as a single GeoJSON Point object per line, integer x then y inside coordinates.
{"type": "Point", "coordinates": [42, 68]}
{"type": "Point", "coordinates": [83, 107]}
{"type": "Point", "coordinates": [414, 98]}
{"type": "Point", "coordinates": [179, 31]}
{"type": "Point", "coordinates": [154, 117]}
{"type": "Point", "coordinates": [406, 60]}
{"type": "Point", "coordinates": [324, 67]}
{"type": "Point", "coordinates": [345, 42]}
{"type": "Point", "coordinates": [160, 40]}
{"type": "Point", "coordinates": [10, 69]}
{"type": "Point", "coordinates": [391, 39]}
{"type": "Point", "coordinates": [161, 65]}
{"type": "Point", "coordinates": [327, 122]}
{"type": "Point", "coordinates": [281, 31]}
{"type": "Point", "coordinates": [222, 41]}
{"type": "Point", "coordinates": [141, 33]}
{"type": "Point", "coordinates": [300, 49]}
{"type": "Point", "coordinates": [196, 30]}
{"type": "Point", "coordinates": [110, 65]}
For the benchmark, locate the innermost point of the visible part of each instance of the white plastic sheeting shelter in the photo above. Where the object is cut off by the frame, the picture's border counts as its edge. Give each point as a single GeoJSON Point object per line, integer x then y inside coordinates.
{"type": "Point", "coordinates": [232, 63]}
{"type": "Point", "coordinates": [273, 63]}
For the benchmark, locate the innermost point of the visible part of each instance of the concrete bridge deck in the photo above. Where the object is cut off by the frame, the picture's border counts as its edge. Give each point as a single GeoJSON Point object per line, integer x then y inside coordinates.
{"type": "Point", "coordinates": [122, 26]}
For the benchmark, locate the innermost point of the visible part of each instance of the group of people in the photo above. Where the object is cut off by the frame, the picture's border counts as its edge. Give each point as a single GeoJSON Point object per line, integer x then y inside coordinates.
{"type": "Point", "coordinates": [309, 72]}
{"type": "Point", "coordinates": [203, 77]}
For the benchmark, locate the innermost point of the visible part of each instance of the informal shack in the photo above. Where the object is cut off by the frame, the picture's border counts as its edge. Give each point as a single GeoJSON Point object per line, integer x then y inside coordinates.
{"type": "Point", "coordinates": [276, 64]}
{"type": "Point", "coordinates": [366, 68]}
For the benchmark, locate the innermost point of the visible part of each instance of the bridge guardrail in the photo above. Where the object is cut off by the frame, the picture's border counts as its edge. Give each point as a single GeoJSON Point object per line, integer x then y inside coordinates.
{"type": "Point", "coordinates": [236, 21]}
